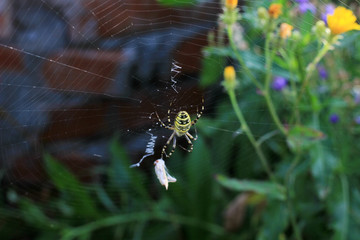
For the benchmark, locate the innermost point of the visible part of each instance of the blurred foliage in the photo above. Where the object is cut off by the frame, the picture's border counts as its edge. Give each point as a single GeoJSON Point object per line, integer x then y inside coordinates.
{"type": "Point", "coordinates": [178, 3]}
{"type": "Point", "coordinates": [314, 193]}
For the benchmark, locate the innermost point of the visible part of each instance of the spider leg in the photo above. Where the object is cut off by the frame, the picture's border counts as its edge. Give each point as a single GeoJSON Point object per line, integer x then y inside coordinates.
{"type": "Point", "coordinates": [168, 115]}
{"type": "Point", "coordinates": [198, 114]}
{"type": "Point", "coordinates": [173, 147]}
{"type": "Point", "coordinates": [189, 142]}
{"type": "Point", "coordinates": [191, 136]}
{"type": "Point", "coordinates": [165, 146]}
{"type": "Point", "coordinates": [161, 122]}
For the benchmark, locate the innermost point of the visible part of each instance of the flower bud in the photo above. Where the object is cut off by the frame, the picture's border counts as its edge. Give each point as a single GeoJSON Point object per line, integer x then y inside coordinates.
{"type": "Point", "coordinates": [262, 13]}
{"type": "Point", "coordinates": [320, 30]}
{"type": "Point", "coordinates": [285, 30]}
{"type": "Point", "coordinates": [231, 13]}
{"type": "Point", "coordinates": [296, 35]}
{"type": "Point", "coordinates": [229, 82]}
{"type": "Point", "coordinates": [275, 10]}
{"type": "Point", "coordinates": [231, 4]}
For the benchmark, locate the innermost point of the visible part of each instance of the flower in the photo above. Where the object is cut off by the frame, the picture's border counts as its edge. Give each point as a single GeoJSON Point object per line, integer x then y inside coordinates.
{"type": "Point", "coordinates": [279, 83]}
{"type": "Point", "coordinates": [285, 30]}
{"type": "Point", "coordinates": [307, 6]}
{"type": "Point", "coordinates": [357, 119]}
{"type": "Point", "coordinates": [322, 72]}
{"type": "Point", "coordinates": [329, 10]}
{"type": "Point", "coordinates": [334, 118]}
{"type": "Point", "coordinates": [356, 93]}
{"type": "Point", "coordinates": [162, 173]}
{"type": "Point", "coordinates": [229, 78]}
{"type": "Point", "coordinates": [231, 4]}
{"type": "Point", "coordinates": [231, 13]}
{"type": "Point", "coordinates": [341, 21]}
{"type": "Point", "coordinates": [275, 10]}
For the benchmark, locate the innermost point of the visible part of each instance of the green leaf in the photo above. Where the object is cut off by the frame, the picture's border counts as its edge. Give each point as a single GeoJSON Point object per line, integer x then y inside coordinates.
{"type": "Point", "coordinates": [301, 137]}
{"type": "Point", "coordinates": [270, 189]}
{"type": "Point", "coordinates": [338, 207]}
{"type": "Point", "coordinates": [275, 221]}
{"type": "Point", "coordinates": [322, 167]}
{"type": "Point", "coordinates": [72, 189]}
{"type": "Point", "coordinates": [212, 69]}
{"type": "Point", "coordinates": [307, 22]}
{"type": "Point", "coordinates": [200, 188]}
{"type": "Point", "coordinates": [35, 216]}
{"type": "Point", "coordinates": [122, 176]}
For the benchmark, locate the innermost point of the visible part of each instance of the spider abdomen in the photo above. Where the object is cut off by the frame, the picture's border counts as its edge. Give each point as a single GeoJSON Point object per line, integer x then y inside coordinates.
{"type": "Point", "coordinates": [182, 123]}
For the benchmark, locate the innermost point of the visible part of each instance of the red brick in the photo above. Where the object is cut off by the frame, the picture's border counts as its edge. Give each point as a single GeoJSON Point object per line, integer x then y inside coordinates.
{"type": "Point", "coordinates": [6, 15]}
{"type": "Point", "coordinates": [27, 168]}
{"type": "Point", "coordinates": [82, 70]}
{"type": "Point", "coordinates": [73, 123]}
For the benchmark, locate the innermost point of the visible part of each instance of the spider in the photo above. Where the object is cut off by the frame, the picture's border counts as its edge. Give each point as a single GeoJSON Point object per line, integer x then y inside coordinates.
{"type": "Point", "coordinates": [181, 127]}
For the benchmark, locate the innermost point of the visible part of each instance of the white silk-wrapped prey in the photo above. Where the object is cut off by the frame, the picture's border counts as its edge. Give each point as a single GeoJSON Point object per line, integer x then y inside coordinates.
{"type": "Point", "coordinates": [162, 173]}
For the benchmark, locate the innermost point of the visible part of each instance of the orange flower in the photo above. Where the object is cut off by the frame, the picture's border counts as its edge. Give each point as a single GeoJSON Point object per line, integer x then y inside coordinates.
{"type": "Point", "coordinates": [231, 4]}
{"type": "Point", "coordinates": [285, 30]}
{"type": "Point", "coordinates": [275, 10]}
{"type": "Point", "coordinates": [341, 21]}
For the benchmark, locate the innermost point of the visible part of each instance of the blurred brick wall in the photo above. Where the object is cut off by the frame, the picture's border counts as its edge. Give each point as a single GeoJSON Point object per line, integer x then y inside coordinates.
{"type": "Point", "coordinates": [64, 64]}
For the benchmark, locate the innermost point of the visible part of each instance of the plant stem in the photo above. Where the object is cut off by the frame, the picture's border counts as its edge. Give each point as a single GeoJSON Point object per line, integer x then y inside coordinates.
{"type": "Point", "coordinates": [345, 193]}
{"type": "Point", "coordinates": [240, 59]}
{"type": "Point", "coordinates": [273, 113]}
{"type": "Point", "coordinates": [249, 134]}
{"type": "Point", "coordinates": [266, 90]}
{"type": "Point", "coordinates": [288, 197]}
{"type": "Point", "coordinates": [312, 66]}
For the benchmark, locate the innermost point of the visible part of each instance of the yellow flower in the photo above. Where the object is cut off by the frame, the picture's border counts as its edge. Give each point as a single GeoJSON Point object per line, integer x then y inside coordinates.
{"type": "Point", "coordinates": [285, 30]}
{"type": "Point", "coordinates": [229, 74]}
{"type": "Point", "coordinates": [231, 4]}
{"type": "Point", "coordinates": [275, 10]}
{"type": "Point", "coordinates": [341, 21]}
{"type": "Point", "coordinates": [229, 78]}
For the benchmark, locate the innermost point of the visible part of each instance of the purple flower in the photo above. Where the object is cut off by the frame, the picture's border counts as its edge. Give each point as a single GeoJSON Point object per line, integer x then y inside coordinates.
{"type": "Point", "coordinates": [302, 1]}
{"type": "Point", "coordinates": [307, 6]}
{"type": "Point", "coordinates": [357, 99]}
{"type": "Point", "coordinates": [322, 72]}
{"type": "Point", "coordinates": [329, 9]}
{"type": "Point", "coordinates": [334, 118]}
{"type": "Point", "coordinates": [357, 119]}
{"type": "Point", "coordinates": [279, 83]}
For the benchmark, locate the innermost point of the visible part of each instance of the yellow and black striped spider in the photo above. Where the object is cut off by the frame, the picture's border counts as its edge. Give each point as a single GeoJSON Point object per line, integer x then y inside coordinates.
{"type": "Point", "coordinates": [181, 127]}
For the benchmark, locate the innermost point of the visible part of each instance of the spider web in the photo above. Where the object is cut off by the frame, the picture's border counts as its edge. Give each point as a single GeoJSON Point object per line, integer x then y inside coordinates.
{"type": "Point", "coordinates": [77, 73]}
{"type": "Point", "coordinates": [47, 33]}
